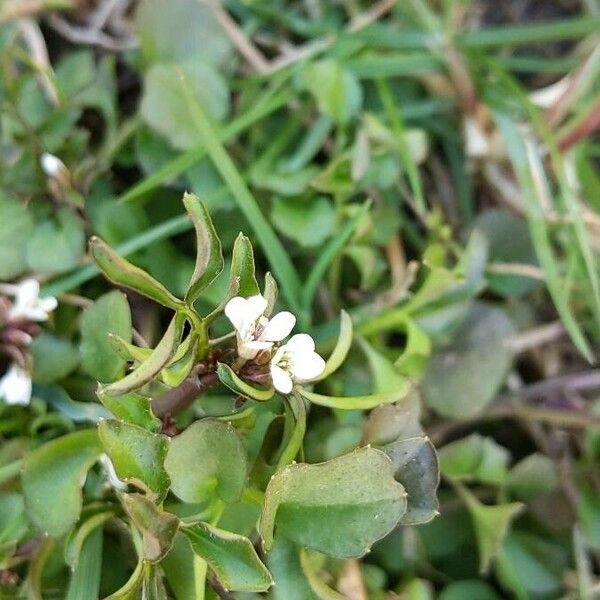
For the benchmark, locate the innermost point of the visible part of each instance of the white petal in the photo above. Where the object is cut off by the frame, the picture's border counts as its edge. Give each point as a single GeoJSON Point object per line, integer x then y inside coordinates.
{"type": "Point", "coordinates": [279, 327]}
{"type": "Point", "coordinates": [547, 96]}
{"type": "Point", "coordinates": [249, 349]}
{"type": "Point", "coordinates": [301, 343]}
{"type": "Point", "coordinates": [28, 293]}
{"type": "Point", "coordinates": [15, 386]}
{"type": "Point", "coordinates": [281, 379]}
{"type": "Point", "coordinates": [244, 312]}
{"type": "Point", "coordinates": [255, 307]}
{"type": "Point", "coordinates": [52, 165]}
{"type": "Point", "coordinates": [235, 311]}
{"type": "Point", "coordinates": [307, 366]}
{"type": "Point", "coordinates": [48, 304]}
{"type": "Point", "coordinates": [278, 354]}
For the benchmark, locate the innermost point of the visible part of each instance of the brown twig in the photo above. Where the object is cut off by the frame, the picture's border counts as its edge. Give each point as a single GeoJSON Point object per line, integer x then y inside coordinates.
{"type": "Point", "coordinates": [180, 397]}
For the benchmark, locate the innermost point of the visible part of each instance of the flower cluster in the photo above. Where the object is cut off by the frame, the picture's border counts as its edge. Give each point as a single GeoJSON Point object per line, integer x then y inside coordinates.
{"type": "Point", "coordinates": [18, 325]}
{"type": "Point", "coordinates": [293, 362]}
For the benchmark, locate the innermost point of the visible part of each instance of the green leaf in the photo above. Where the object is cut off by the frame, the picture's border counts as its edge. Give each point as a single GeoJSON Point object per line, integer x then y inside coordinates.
{"type": "Point", "coordinates": [392, 422]}
{"type": "Point", "coordinates": [53, 476]}
{"type": "Point", "coordinates": [356, 402]}
{"type": "Point", "coordinates": [336, 90]}
{"type": "Point", "coordinates": [478, 347]}
{"type": "Point", "coordinates": [132, 408]}
{"type": "Point", "coordinates": [85, 578]}
{"type": "Point", "coordinates": [13, 523]}
{"type": "Point", "coordinates": [270, 293]}
{"type": "Point", "coordinates": [131, 589]}
{"type": "Point", "coordinates": [242, 279]}
{"type": "Point", "coordinates": [182, 362]}
{"type": "Point", "coordinates": [412, 361]}
{"type": "Point", "coordinates": [58, 399]}
{"type": "Point", "coordinates": [137, 455]}
{"type": "Point", "coordinates": [127, 351]}
{"type": "Point", "coordinates": [309, 223]}
{"type": "Point", "coordinates": [532, 477]}
{"type": "Point", "coordinates": [182, 29]}
{"type": "Point", "coordinates": [475, 458]}
{"type": "Point", "coordinates": [16, 228]}
{"type": "Point", "coordinates": [498, 226]}
{"type": "Point", "coordinates": [237, 385]}
{"type": "Point", "coordinates": [384, 374]}
{"type": "Point", "coordinates": [342, 346]}
{"type": "Point", "coordinates": [158, 528]}
{"type": "Point", "coordinates": [209, 257]}
{"type": "Point", "coordinates": [469, 588]}
{"type": "Point", "coordinates": [153, 364]}
{"type": "Point", "coordinates": [416, 468]}
{"type": "Point", "coordinates": [56, 245]}
{"type": "Point", "coordinates": [323, 591]}
{"type": "Point", "coordinates": [110, 314]}
{"type": "Point", "coordinates": [291, 583]}
{"type": "Point", "coordinates": [122, 272]}
{"type": "Point", "coordinates": [222, 470]}
{"type": "Point", "coordinates": [232, 558]}
{"type": "Point", "coordinates": [53, 357]}
{"type": "Point", "coordinates": [75, 541]}
{"type": "Point", "coordinates": [491, 525]}
{"type": "Point", "coordinates": [166, 110]}
{"type": "Point", "coordinates": [340, 507]}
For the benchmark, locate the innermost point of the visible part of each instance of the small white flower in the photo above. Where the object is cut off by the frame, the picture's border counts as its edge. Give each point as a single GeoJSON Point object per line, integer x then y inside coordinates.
{"type": "Point", "coordinates": [111, 474]}
{"type": "Point", "coordinates": [295, 362]}
{"type": "Point", "coordinates": [254, 331]}
{"type": "Point", "coordinates": [54, 167]}
{"type": "Point", "coordinates": [28, 305]}
{"type": "Point", "coordinates": [15, 386]}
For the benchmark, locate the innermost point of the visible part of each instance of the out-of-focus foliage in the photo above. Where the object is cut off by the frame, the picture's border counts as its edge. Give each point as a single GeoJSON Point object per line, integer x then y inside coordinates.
{"type": "Point", "coordinates": [417, 182]}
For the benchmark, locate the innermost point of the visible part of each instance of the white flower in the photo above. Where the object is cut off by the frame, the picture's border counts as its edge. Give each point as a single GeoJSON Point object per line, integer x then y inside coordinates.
{"type": "Point", "coordinates": [254, 331]}
{"type": "Point", "coordinates": [15, 386]}
{"type": "Point", "coordinates": [28, 305]}
{"type": "Point", "coordinates": [295, 362]}
{"type": "Point", "coordinates": [54, 167]}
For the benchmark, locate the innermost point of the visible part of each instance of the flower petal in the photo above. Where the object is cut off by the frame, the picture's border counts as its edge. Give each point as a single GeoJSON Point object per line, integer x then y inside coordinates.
{"type": "Point", "coordinates": [279, 327]}
{"type": "Point", "coordinates": [300, 343]}
{"type": "Point", "coordinates": [235, 311]}
{"type": "Point", "coordinates": [249, 349]}
{"type": "Point", "coordinates": [15, 386]}
{"type": "Point", "coordinates": [281, 379]}
{"type": "Point", "coordinates": [307, 366]}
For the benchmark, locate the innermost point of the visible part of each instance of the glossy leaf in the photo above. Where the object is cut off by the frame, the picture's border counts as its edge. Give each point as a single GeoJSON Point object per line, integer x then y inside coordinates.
{"type": "Point", "coordinates": [53, 476]}
{"type": "Point", "coordinates": [392, 422]}
{"type": "Point", "coordinates": [219, 459]}
{"type": "Point", "coordinates": [110, 314]}
{"type": "Point", "coordinates": [137, 455]}
{"type": "Point", "coordinates": [232, 558]}
{"type": "Point", "coordinates": [131, 408]}
{"type": "Point", "coordinates": [182, 362]}
{"type": "Point", "coordinates": [153, 364]}
{"type": "Point", "coordinates": [209, 257]}
{"type": "Point", "coordinates": [158, 528]}
{"type": "Point", "coordinates": [340, 507]}
{"type": "Point", "coordinates": [242, 280]}
{"type": "Point", "coordinates": [122, 272]}
{"type": "Point", "coordinates": [74, 543]}
{"type": "Point", "coordinates": [237, 385]}
{"type": "Point", "coordinates": [416, 468]}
